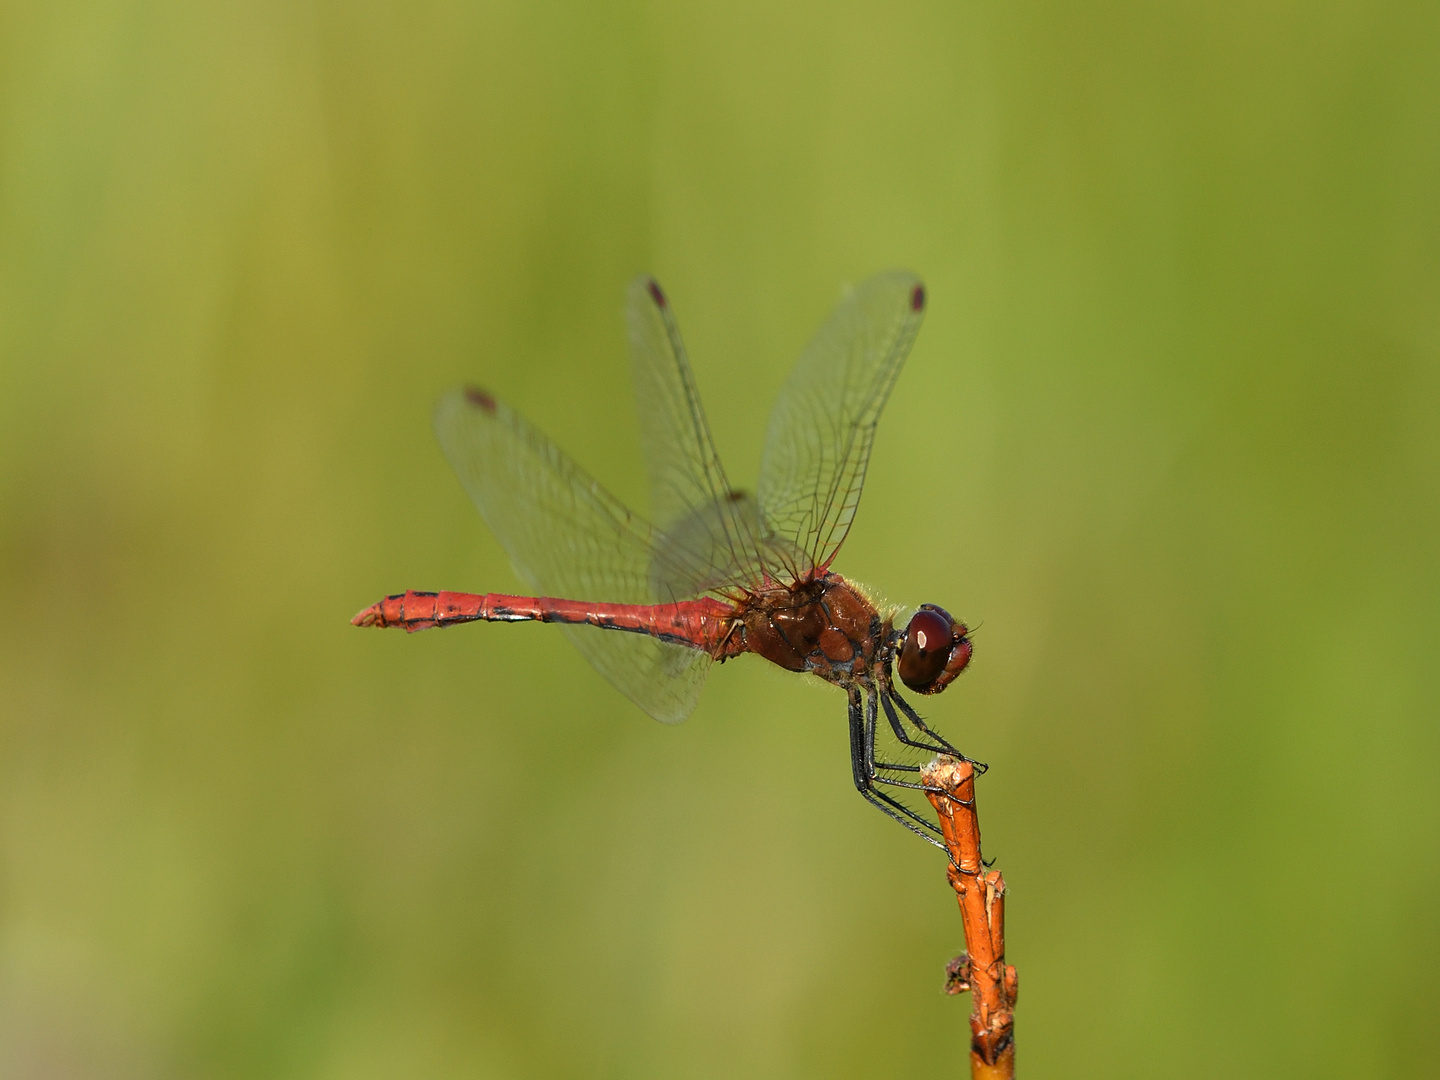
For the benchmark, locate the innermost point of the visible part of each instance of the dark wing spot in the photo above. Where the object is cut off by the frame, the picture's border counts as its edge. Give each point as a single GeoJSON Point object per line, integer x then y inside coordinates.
{"type": "Point", "coordinates": [917, 298]}
{"type": "Point", "coordinates": [479, 398]}
{"type": "Point", "coordinates": [736, 496]}
{"type": "Point", "coordinates": [655, 293]}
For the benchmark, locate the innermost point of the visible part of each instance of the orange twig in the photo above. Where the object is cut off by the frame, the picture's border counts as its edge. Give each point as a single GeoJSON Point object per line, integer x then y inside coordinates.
{"type": "Point", "coordinates": [981, 894]}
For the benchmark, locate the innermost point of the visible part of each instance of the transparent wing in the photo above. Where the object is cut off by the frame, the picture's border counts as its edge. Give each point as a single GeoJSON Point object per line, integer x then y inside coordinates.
{"type": "Point", "coordinates": [711, 528]}
{"type": "Point", "coordinates": [823, 425]}
{"type": "Point", "coordinates": [568, 537]}
{"type": "Point", "coordinates": [663, 679]}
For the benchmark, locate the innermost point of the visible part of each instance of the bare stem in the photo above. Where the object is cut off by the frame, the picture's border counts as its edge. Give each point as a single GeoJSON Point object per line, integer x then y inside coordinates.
{"type": "Point", "coordinates": [981, 895]}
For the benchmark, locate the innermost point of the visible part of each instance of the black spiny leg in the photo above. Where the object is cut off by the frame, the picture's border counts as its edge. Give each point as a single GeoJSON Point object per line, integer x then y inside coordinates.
{"type": "Point", "coordinates": [904, 736]}
{"type": "Point", "coordinates": [914, 718]}
{"type": "Point", "coordinates": [862, 756]}
{"type": "Point", "coordinates": [875, 767]}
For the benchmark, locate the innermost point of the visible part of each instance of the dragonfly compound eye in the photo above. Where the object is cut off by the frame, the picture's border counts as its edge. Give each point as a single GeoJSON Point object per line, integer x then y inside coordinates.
{"type": "Point", "coordinates": [936, 649]}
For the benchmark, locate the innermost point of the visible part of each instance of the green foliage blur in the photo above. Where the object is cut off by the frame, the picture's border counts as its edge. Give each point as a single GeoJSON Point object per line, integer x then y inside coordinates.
{"type": "Point", "coordinates": [1169, 435]}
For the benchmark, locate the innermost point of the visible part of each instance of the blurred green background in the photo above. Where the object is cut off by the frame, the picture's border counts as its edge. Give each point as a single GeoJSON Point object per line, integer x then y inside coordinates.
{"type": "Point", "coordinates": [1184, 273]}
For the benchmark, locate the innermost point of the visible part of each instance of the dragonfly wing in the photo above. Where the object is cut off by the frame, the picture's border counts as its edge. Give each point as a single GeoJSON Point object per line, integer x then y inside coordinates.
{"type": "Point", "coordinates": [711, 539]}
{"type": "Point", "coordinates": [823, 425]}
{"type": "Point", "coordinates": [568, 537]}
{"type": "Point", "coordinates": [662, 678]}
{"type": "Point", "coordinates": [698, 532]}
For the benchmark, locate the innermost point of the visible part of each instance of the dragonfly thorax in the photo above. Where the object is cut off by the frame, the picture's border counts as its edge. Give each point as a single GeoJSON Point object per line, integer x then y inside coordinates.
{"type": "Point", "coordinates": [824, 626]}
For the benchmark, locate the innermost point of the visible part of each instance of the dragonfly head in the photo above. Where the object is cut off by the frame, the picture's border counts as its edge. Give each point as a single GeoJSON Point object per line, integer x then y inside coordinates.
{"type": "Point", "coordinates": [936, 649]}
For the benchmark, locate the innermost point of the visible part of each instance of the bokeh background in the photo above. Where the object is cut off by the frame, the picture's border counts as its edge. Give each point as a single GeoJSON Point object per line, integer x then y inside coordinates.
{"type": "Point", "coordinates": [1169, 434]}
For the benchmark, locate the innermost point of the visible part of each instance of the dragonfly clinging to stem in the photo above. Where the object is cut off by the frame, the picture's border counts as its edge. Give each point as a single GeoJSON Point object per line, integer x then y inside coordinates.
{"type": "Point", "coordinates": [717, 572]}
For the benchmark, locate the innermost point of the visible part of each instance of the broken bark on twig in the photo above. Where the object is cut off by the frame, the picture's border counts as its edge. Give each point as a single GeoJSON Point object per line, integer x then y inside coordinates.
{"type": "Point", "coordinates": [981, 895]}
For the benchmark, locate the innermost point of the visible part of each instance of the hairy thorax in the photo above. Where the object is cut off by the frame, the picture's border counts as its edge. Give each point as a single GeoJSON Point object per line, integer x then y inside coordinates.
{"type": "Point", "coordinates": [825, 627]}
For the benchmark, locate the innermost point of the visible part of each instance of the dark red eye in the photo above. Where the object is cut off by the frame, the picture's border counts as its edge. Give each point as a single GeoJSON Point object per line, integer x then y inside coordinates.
{"type": "Point", "coordinates": [936, 649]}
{"type": "Point", "coordinates": [926, 649]}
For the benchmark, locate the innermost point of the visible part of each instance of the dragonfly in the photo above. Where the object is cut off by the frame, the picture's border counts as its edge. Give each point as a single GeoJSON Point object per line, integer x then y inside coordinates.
{"type": "Point", "coordinates": [715, 572]}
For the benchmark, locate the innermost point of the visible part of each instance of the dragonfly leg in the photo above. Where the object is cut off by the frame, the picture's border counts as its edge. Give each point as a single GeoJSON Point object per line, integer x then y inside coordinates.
{"type": "Point", "coordinates": [900, 733]}
{"type": "Point", "coordinates": [877, 767]}
{"type": "Point", "coordinates": [914, 718]}
{"type": "Point", "coordinates": [862, 758]}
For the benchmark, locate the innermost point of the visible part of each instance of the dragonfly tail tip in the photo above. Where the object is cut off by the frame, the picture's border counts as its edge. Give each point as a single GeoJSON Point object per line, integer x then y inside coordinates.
{"type": "Point", "coordinates": [369, 617]}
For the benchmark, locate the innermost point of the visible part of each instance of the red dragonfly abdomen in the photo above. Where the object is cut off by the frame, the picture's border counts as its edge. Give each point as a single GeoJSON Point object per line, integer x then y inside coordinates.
{"type": "Point", "coordinates": [702, 624]}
